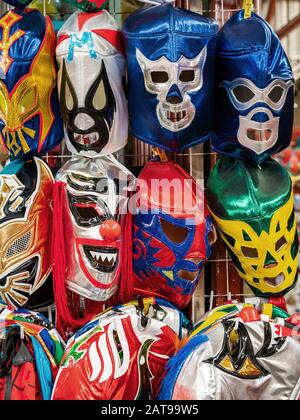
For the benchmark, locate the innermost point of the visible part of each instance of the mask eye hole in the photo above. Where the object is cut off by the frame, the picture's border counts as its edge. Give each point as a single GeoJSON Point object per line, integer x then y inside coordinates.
{"type": "Point", "coordinates": [99, 100]}
{"type": "Point", "coordinates": [187, 76]}
{"type": "Point", "coordinates": [159, 76]}
{"type": "Point", "coordinates": [69, 100]}
{"type": "Point", "coordinates": [243, 94]}
{"type": "Point", "coordinates": [276, 94]}
{"type": "Point", "coordinates": [249, 252]}
{"type": "Point", "coordinates": [176, 234]}
{"type": "Point", "coordinates": [280, 243]}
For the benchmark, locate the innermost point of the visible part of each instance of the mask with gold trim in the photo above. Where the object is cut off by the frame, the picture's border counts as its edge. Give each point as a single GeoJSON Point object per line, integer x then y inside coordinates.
{"type": "Point", "coordinates": [25, 234]}
{"type": "Point", "coordinates": [30, 122]}
{"type": "Point", "coordinates": [236, 360]}
{"type": "Point", "coordinates": [254, 212]}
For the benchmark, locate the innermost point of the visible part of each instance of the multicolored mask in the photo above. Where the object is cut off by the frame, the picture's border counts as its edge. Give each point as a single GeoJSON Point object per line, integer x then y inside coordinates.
{"type": "Point", "coordinates": [30, 122]}
{"type": "Point", "coordinates": [121, 354]}
{"type": "Point", "coordinates": [173, 233]}
{"type": "Point", "coordinates": [171, 61]}
{"type": "Point", "coordinates": [254, 211]}
{"type": "Point", "coordinates": [254, 118]}
{"type": "Point", "coordinates": [25, 234]}
{"type": "Point", "coordinates": [92, 232]}
{"type": "Point", "coordinates": [90, 79]}
{"type": "Point", "coordinates": [237, 360]}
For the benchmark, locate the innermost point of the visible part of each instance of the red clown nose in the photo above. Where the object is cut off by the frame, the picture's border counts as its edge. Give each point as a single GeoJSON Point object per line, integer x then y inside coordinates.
{"type": "Point", "coordinates": [110, 229]}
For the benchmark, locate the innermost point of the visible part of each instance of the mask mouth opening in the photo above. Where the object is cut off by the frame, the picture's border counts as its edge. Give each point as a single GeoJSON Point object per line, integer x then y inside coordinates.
{"type": "Point", "coordinates": [259, 135]}
{"type": "Point", "coordinates": [103, 259]}
{"type": "Point", "coordinates": [87, 139]}
{"type": "Point", "coordinates": [176, 116]}
{"type": "Point", "coordinates": [191, 275]}
{"type": "Point", "coordinates": [275, 281]}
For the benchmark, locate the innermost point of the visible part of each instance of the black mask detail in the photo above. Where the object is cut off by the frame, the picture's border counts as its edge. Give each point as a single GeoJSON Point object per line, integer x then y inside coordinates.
{"type": "Point", "coordinates": [83, 140]}
{"type": "Point", "coordinates": [27, 177]}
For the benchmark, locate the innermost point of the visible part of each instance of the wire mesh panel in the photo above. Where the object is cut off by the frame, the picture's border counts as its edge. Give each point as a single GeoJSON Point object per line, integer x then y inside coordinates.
{"type": "Point", "coordinates": [221, 281]}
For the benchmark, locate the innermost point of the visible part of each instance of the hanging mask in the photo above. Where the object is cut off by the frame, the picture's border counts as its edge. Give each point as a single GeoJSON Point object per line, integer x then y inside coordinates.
{"type": "Point", "coordinates": [255, 97]}
{"type": "Point", "coordinates": [121, 354]}
{"type": "Point", "coordinates": [95, 195]}
{"type": "Point", "coordinates": [91, 72]}
{"type": "Point", "coordinates": [171, 61]}
{"type": "Point", "coordinates": [237, 360]}
{"type": "Point", "coordinates": [30, 122]}
{"type": "Point", "coordinates": [25, 234]}
{"type": "Point", "coordinates": [254, 211]}
{"type": "Point", "coordinates": [173, 233]}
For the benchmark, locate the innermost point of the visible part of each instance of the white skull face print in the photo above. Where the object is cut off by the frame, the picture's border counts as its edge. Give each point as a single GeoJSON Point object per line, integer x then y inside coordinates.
{"type": "Point", "coordinates": [256, 135]}
{"type": "Point", "coordinates": [172, 83]}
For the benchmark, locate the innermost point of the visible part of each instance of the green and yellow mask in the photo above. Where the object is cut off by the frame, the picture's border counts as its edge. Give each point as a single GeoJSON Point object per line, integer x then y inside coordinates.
{"type": "Point", "coordinates": [254, 210]}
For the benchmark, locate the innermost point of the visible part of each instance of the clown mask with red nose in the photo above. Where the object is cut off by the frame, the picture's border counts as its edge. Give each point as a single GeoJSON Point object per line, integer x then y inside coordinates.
{"type": "Point", "coordinates": [90, 196]}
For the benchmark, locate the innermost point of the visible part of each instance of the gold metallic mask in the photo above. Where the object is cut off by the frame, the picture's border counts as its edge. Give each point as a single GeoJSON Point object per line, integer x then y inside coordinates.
{"type": "Point", "coordinates": [30, 96]}
{"type": "Point", "coordinates": [25, 236]}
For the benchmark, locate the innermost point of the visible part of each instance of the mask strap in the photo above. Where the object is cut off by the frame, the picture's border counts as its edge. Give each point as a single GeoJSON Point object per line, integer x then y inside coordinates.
{"type": "Point", "coordinates": [247, 6]}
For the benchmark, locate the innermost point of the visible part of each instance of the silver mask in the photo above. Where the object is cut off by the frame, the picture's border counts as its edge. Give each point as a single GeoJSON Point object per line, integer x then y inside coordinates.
{"type": "Point", "coordinates": [162, 75]}
{"type": "Point", "coordinates": [244, 94]}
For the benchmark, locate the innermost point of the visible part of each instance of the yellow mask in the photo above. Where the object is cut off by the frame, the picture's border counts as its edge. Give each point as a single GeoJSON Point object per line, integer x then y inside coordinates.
{"type": "Point", "coordinates": [267, 261]}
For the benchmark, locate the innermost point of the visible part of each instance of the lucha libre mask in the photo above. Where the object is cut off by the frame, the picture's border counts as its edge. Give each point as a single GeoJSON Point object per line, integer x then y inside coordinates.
{"type": "Point", "coordinates": [25, 234]}
{"type": "Point", "coordinates": [254, 211]}
{"type": "Point", "coordinates": [255, 96]}
{"type": "Point", "coordinates": [173, 233]}
{"type": "Point", "coordinates": [237, 360]}
{"type": "Point", "coordinates": [90, 79]}
{"type": "Point", "coordinates": [170, 55]}
{"type": "Point", "coordinates": [121, 354]}
{"type": "Point", "coordinates": [95, 193]}
{"type": "Point", "coordinates": [30, 122]}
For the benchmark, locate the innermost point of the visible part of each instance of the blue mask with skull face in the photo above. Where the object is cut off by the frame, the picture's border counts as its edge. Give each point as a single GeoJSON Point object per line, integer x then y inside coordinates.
{"type": "Point", "coordinates": [255, 99]}
{"type": "Point", "coordinates": [171, 61]}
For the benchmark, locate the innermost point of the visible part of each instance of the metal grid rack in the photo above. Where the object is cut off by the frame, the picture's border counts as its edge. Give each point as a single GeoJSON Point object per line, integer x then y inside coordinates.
{"type": "Point", "coordinates": [221, 282]}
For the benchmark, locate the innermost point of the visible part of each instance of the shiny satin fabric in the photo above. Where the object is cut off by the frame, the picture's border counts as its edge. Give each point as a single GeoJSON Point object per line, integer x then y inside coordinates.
{"type": "Point", "coordinates": [18, 3]}
{"type": "Point", "coordinates": [237, 360]}
{"type": "Point", "coordinates": [90, 80]}
{"type": "Point", "coordinates": [170, 244]}
{"type": "Point", "coordinates": [93, 214]}
{"type": "Point", "coordinates": [255, 95]}
{"type": "Point", "coordinates": [30, 121]}
{"type": "Point", "coordinates": [121, 354]}
{"type": "Point", "coordinates": [171, 66]}
{"type": "Point", "coordinates": [25, 234]}
{"type": "Point", "coordinates": [253, 209]}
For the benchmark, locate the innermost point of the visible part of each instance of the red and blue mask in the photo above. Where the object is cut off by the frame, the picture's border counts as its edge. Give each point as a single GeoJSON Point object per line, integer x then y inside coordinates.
{"type": "Point", "coordinates": [255, 97]}
{"type": "Point", "coordinates": [30, 122]}
{"type": "Point", "coordinates": [171, 243]}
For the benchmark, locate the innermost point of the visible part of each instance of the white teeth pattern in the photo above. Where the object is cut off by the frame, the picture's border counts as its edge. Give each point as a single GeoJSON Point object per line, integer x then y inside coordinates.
{"type": "Point", "coordinates": [102, 257]}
